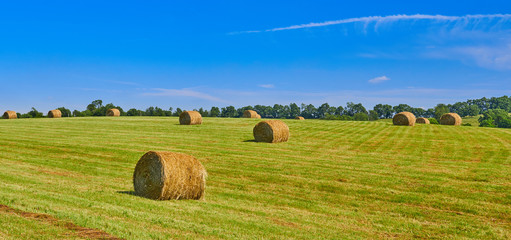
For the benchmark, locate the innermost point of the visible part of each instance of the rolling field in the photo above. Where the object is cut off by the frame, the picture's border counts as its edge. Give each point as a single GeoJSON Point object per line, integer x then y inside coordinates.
{"type": "Point", "coordinates": [332, 180]}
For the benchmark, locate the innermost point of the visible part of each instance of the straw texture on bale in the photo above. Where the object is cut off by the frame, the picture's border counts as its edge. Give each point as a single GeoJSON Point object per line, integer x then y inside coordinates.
{"type": "Point", "coordinates": [299, 118]}
{"type": "Point", "coordinates": [404, 119]}
{"type": "Point", "coordinates": [113, 112]}
{"type": "Point", "coordinates": [422, 120]}
{"type": "Point", "coordinates": [190, 118]}
{"type": "Point", "coordinates": [272, 131]}
{"type": "Point", "coordinates": [10, 115]}
{"type": "Point", "coordinates": [450, 119]}
{"type": "Point", "coordinates": [54, 113]}
{"type": "Point", "coordinates": [251, 114]}
{"type": "Point", "coordinates": [168, 175]}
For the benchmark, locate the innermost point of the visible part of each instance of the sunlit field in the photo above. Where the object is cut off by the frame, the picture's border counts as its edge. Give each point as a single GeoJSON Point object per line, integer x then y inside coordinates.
{"type": "Point", "coordinates": [331, 180]}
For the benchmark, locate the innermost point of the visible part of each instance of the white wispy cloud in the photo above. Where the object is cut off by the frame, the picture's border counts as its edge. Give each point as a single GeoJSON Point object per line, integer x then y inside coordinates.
{"type": "Point", "coordinates": [496, 56]}
{"type": "Point", "coordinates": [392, 18]}
{"type": "Point", "coordinates": [266, 85]}
{"type": "Point", "coordinates": [182, 93]}
{"type": "Point", "coordinates": [378, 79]}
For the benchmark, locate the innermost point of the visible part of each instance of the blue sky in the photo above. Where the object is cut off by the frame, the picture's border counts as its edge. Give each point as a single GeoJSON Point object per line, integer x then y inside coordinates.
{"type": "Point", "coordinates": [195, 54]}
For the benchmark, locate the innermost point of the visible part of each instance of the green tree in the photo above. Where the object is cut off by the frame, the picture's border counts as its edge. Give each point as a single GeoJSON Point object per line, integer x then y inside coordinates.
{"type": "Point", "coordinates": [294, 110]}
{"type": "Point", "coordinates": [440, 110]}
{"type": "Point", "coordinates": [65, 112]}
{"type": "Point", "coordinates": [352, 109]}
{"type": "Point", "coordinates": [473, 110]}
{"type": "Point", "coordinates": [214, 112]}
{"type": "Point", "coordinates": [360, 116]}
{"type": "Point", "coordinates": [384, 110]}
{"type": "Point", "coordinates": [134, 112]}
{"type": "Point", "coordinates": [402, 108]}
{"type": "Point", "coordinates": [229, 112]}
{"type": "Point", "coordinates": [495, 118]}
{"type": "Point", "coordinates": [373, 115]}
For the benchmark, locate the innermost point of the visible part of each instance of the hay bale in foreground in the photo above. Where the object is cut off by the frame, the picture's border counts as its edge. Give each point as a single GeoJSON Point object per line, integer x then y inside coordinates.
{"type": "Point", "coordinates": [272, 131]}
{"type": "Point", "coordinates": [251, 114]}
{"type": "Point", "coordinates": [299, 118]}
{"type": "Point", "coordinates": [113, 112]}
{"type": "Point", "coordinates": [10, 115]}
{"type": "Point", "coordinates": [404, 119]}
{"type": "Point", "coordinates": [190, 118]}
{"type": "Point", "coordinates": [168, 175]}
{"type": "Point", "coordinates": [422, 120]}
{"type": "Point", "coordinates": [450, 119]}
{"type": "Point", "coordinates": [54, 114]}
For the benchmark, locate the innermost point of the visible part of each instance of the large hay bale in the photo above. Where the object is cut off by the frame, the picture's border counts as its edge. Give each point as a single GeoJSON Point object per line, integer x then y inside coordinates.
{"type": "Point", "coordinates": [299, 118]}
{"type": "Point", "coordinates": [190, 118]}
{"type": "Point", "coordinates": [168, 175]}
{"type": "Point", "coordinates": [422, 120]}
{"type": "Point", "coordinates": [404, 119]}
{"type": "Point", "coordinates": [113, 112]}
{"type": "Point", "coordinates": [54, 113]}
{"type": "Point", "coordinates": [10, 115]}
{"type": "Point", "coordinates": [450, 119]}
{"type": "Point", "coordinates": [271, 131]}
{"type": "Point", "coordinates": [251, 114]}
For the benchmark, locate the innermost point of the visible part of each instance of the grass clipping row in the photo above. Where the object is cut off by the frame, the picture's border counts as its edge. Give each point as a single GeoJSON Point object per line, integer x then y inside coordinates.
{"type": "Point", "coordinates": [450, 119]}
{"type": "Point", "coordinates": [114, 112]}
{"type": "Point", "coordinates": [168, 175]}
{"type": "Point", "coordinates": [10, 115]}
{"type": "Point", "coordinates": [271, 131]}
{"type": "Point", "coordinates": [422, 120]}
{"type": "Point", "coordinates": [404, 119]}
{"type": "Point", "coordinates": [190, 118]}
{"type": "Point", "coordinates": [251, 114]}
{"type": "Point", "coordinates": [54, 114]}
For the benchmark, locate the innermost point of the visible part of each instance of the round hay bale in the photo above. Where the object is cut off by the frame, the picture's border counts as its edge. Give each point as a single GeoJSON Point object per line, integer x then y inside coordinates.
{"type": "Point", "coordinates": [251, 114]}
{"type": "Point", "coordinates": [404, 119]}
{"type": "Point", "coordinates": [272, 131]}
{"type": "Point", "coordinates": [168, 175]}
{"type": "Point", "coordinates": [450, 119]}
{"type": "Point", "coordinates": [113, 112]}
{"type": "Point", "coordinates": [10, 115]}
{"type": "Point", "coordinates": [422, 120]}
{"type": "Point", "coordinates": [54, 114]}
{"type": "Point", "coordinates": [190, 118]}
{"type": "Point", "coordinates": [299, 118]}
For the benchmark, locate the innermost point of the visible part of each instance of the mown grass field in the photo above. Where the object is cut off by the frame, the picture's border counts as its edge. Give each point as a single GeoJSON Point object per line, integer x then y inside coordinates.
{"type": "Point", "coordinates": [332, 180]}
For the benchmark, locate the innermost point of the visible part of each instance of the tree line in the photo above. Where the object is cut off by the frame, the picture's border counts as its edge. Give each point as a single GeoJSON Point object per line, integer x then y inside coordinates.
{"type": "Point", "coordinates": [495, 111]}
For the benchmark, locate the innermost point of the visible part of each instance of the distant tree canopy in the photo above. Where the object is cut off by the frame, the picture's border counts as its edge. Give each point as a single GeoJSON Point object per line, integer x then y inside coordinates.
{"type": "Point", "coordinates": [495, 118]}
{"type": "Point", "coordinates": [493, 110]}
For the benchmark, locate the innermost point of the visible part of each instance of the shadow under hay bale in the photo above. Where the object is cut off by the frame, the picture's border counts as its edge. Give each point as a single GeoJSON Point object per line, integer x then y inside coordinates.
{"type": "Point", "coordinates": [10, 115]}
{"type": "Point", "coordinates": [190, 118]}
{"type": "Point", "coordinates": [271, 131]}
{"type": "Point", "coordinates": [422, 120]}
{"type": "Point", "coordinates": [404, 119]}
{"type": "Point", "coordinates": [299, 118]}
{"type": "Point", "coordinates": [451, 119]}
{"type": "Point", "coordinates": [54, 114]}
{"type": "Point", "coordinates": [168, 175]}
{"type": "Point", "coordinates": [113, 112]}
{"type": "Point", "coordinates": [251, 114]}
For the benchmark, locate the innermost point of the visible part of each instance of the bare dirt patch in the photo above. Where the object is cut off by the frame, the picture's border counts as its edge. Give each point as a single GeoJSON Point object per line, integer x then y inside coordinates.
{"type": "Point", "coordinates": [88, 233]}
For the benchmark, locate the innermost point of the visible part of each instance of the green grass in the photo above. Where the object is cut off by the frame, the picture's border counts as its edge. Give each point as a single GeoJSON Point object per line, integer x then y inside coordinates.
{"type": "Point", "coordinates": [332, 180]}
